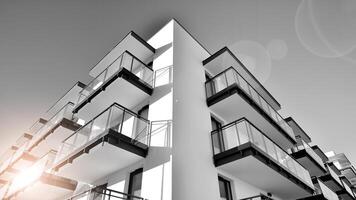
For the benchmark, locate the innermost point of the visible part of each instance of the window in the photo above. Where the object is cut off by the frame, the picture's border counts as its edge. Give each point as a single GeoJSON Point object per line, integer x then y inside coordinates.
{"type": "Point", "coordinates": [225, 189]}
{"type": "Point", "coordinates": [135, 182]}
{"type": "Point", "coordinates": [217, 140]}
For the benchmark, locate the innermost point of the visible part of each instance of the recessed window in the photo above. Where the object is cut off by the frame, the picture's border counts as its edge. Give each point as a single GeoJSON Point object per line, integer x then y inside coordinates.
{"type": "Point", "coordinates": [135, 182]}
{"type": "Point", "coordinates": [225, 189]}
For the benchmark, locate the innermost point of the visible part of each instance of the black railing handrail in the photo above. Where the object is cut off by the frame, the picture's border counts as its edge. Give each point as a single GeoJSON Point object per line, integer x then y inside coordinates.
{"type": "Point", "coordinates": [232, 68]}
{"type": "Point", "coordinates": [100, 190]}
{"type": "Point", "coordinates": [104, 70]}
{"type": "Point", "coordinates": [65, 105]}
{"type": "Point", "coordinates": [218, 130]}
{"type": "Point", "coordinates": [106, 109]}
{"type": "Point", "coordinates": [245, 119]}
{"type": "Point", "coordinates": [260, 195]}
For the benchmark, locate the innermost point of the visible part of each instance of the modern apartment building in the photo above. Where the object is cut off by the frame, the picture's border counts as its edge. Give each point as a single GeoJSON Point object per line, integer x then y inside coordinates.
{"type": "Point", "coordinates": [165, 119]}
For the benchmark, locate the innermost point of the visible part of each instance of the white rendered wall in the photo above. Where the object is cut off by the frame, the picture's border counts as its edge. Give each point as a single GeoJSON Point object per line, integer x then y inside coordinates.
{"type": "Point", "coordinates": [194, 174]}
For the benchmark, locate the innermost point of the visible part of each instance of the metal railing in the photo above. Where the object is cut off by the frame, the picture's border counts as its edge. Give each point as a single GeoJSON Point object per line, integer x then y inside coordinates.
{"type": "Point", "coordinates": [64, 112]}
{"type": "Point", "coordinates": [229, 77]}
{"type": "Point", "coordinates": [125, 60]}
{"type": "Point", "coordinates": [258, 197]}
{"type": "Point", "coordinates": [301, 145]}
{"type": "Point", "coordinates": [242, 131]}
{"type": "Point", "coordinates": [114, 117]}
{"type": "Point", "coordinates": [104, 194]}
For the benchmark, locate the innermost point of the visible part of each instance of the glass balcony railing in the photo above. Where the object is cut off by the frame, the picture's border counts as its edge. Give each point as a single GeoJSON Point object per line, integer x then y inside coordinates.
{"type": "Point", "coordinates": [242, 131]}
{"type": "Point", "coordinates": [64, 112]}
{"type": "Point", "coordinates": [347, 188]}
{"type": "Point", "coordinates": [115, 117]}
{"type": "Point", "coordinates": [125, 60]}
{"type": "Point", "coordinates": [305, 146]}
{"type": "Point", "coordinates": [258, 197]}
{"type": "Point", "coordinates": [28, 176]}
{"type": "Point", "coordinates": [104, 194]}
{"type": "Point", "coordinates": [230, 77]}
{"type": "Point", "coordinates": [327, 193]}
{"type": "Point", "coordinates": [36, 126]}
{"type": "Point", "coordinates": [334, 175]}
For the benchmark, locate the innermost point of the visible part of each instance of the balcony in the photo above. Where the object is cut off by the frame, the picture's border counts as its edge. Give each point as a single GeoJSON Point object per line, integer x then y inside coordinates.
{"type": "Point", "coordinates": [331, 178]}
{"type": "Point", "coordinates": [308, 158]}
{"type": "Point", "coordinates": [104, 193]}
{"type": "Point", "coordinates": [230, 96]}
{"type": "Point", "coordinates": [258, 197]}
{"type": "Point", "coordinates": [19, 158]}
{"type": "Point", "coordinates": [242, 150]}
{"type": "Point", "coordinates": [127, 81]}
{"type": "Point", "coordinates": [346, 192]}
{"type": "Point", "coordinates": [224, 58]}
{"type": "Point", "coordinates": [322, 192]}
{"type": "Point", "coordinates": [114, 139]}
{"type": "Point", "coordinates": [55, 130]}
{"type": "Point", "coordinates": [37, 181]}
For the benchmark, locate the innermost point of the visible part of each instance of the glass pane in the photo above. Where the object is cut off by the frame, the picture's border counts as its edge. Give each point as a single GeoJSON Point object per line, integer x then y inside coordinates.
{"type": "Point", "coordinates": [115, 119]}
{"type": "Point", "coordinates": [230, 77]}
{"type": "Point", "coordinates": [128, 125]}
{"type": "Point", "coordinates": [113, 68]}
{"type": "Point", "coordinates": [243, 132]}
{"type": "Point", "coordinates": [141, 131]}
{"type": "Point", "coordinates": [126, 61]}
{"type": "Point", "coordinates": [257, 138]}
{"type": "Point", "coordinates": [99, 125]}
{"type": "Point", "coordinates": [216, 143]}
{"type": "Point", "coordinates": [271, 149]}
{"type": "Point", "coordinates": [230, 137]}
{"type": "Point", "coordinates": [219, 83]}
{"type": "Point", "coordinates": [243, 84]}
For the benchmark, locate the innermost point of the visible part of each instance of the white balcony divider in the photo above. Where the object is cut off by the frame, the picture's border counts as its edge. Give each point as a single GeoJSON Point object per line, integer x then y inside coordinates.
{"type": "Point", "coordinates": [303, 145]}
{"type": "Point", "coordinates": [115, 117]}
{"type": "Point", "coordinates": [64, 112]}
{"type": "Point", "coordinates": [242, 131]}
{"type": "Point", "coordinates": [328, 194]}
{"type": "Point", "coordinates": [125, 60]}
{"type": "Point", "coordinates": [230, 77]}
{"type": "Point", "coordinates": [26, 177]}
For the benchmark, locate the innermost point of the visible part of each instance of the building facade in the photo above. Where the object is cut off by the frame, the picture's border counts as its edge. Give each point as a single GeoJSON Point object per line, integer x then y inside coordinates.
{"type": "Point", "coordinates": [165, 119]}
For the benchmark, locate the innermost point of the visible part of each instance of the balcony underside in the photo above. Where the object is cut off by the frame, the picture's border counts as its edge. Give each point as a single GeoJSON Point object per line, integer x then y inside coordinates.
{"type": "Point", "coordinates": [123, 88]}
{"type": "Point", "coordinates": [132, 43]}
{"type": "Point", "coordinates": [315, 197]}
{"type": "Point", "coordinates": [308, 162]}
{"type": "Point", "coordinates": [253, 166]}
{"type": "Point", "coordinates": [53, 138]}
{"type": "Point", "coordinates": [24, 161]}
{"type": "Point", "coordinates": [48, 186]}
{"type": "Point", "coordinates": [233, 103]}
{"type": "Point", "coordinates": [101, 157]}
{"type": "Point", "coordinates": [329, 181]}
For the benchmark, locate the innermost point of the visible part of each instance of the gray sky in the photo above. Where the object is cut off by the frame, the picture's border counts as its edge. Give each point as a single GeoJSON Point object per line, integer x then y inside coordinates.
{"type": "Point", "coordinates": [46, 46]}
